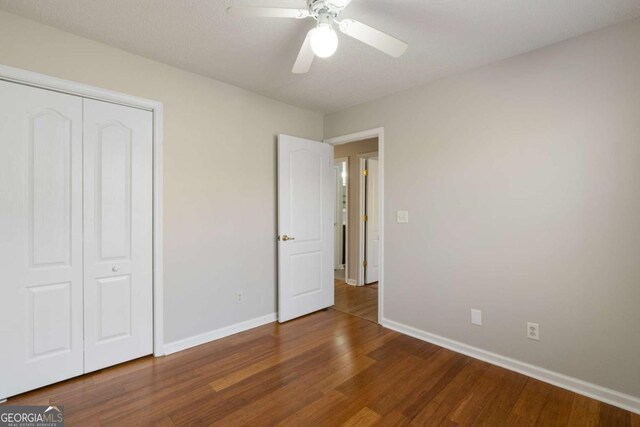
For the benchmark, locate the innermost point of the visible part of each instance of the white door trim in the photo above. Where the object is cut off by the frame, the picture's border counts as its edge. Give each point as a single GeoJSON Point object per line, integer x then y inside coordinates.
{"type": "Point", "coordinates": [358, 136]}
{"type": "Point", "coordinates": [30, 78]}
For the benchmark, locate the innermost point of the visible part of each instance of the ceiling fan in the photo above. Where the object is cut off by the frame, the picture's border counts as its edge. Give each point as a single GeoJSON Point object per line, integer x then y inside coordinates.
{"type": "Point", "coordinates": [322, 40]}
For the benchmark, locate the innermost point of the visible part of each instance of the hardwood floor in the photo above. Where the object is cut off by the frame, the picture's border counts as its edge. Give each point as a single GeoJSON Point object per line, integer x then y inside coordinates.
{"type": "Point", "coordinates": [361, 301]}
{"type": "Point", "coordinates": [325, 369]}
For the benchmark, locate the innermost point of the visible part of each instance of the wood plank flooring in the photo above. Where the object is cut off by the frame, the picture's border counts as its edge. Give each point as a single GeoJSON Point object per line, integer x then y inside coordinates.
{"type": "Point", "coordinates": [361, 301]}
{"type": "Point", "coordinates": [325, 369]}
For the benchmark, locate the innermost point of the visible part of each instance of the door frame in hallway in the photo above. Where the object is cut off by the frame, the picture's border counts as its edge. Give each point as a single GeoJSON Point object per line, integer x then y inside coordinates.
{"type": "Point", "coordinates": [29, 78]}
{"type": "Point", "coordinates": [363, 236]}
{"type": "Point", "coordinates": [366, 209]}
{"type": "Point", "coordinates": [358, 136]}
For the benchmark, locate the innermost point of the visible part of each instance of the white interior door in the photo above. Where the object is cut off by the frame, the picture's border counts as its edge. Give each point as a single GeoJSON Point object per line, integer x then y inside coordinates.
{"type": "Point", "coordinates": [40, 238]}
{"type": "Point", "coordinates": [372, 241]}
{"type": "Point", "coordinates": [117, 234]}
{"type": "Point", "coordinates": [305, 226]}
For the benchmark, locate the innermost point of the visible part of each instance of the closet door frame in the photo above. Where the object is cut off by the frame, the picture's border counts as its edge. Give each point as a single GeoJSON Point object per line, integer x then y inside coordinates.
{"type": "Point", "coordinates": [42, 81]}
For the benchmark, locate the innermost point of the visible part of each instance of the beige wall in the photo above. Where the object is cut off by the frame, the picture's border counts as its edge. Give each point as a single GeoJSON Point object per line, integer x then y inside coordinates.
{"type": "Point", "coordinates": [522, 181]}
{"type": "Point", "coordinates": [219, 192]}
{"type": "Point", "coordinates": [351, 151]}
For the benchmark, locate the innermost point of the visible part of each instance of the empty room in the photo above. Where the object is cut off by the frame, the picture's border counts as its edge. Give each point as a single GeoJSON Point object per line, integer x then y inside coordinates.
{"type": "Point", "coordinates": [319, 213]}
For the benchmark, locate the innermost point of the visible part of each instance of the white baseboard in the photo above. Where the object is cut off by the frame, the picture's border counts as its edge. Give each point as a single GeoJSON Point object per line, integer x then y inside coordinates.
{"type": "Point", "coordinates": [351, 282]}
{"type": "Point", "coordinates": [612, 397]}
{"type": "Point", "coordinates": [186, 343]}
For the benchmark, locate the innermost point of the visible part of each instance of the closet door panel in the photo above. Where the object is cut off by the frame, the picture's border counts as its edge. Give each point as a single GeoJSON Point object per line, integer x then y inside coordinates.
{"type": "Point", "coordinates": [113, 191]}
{"type": "Point", "coordinates": [41, 291]}
{"type": "Point", "coordinates": [118, 233]}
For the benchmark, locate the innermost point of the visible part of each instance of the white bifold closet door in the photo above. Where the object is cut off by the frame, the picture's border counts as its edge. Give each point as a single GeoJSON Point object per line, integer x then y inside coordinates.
{"type": "Point", "coordinates": [40, 238]}
{"type": "Point", "coordinates": [75, 236]}
{"type": "Point", "coordinates": [118, 294]}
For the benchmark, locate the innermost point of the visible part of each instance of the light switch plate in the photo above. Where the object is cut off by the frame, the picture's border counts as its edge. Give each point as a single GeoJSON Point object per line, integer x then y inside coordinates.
{"type": "Point", "coordinates": [476, 317]}
{"type": "Point", "coordinates": [402, 217]}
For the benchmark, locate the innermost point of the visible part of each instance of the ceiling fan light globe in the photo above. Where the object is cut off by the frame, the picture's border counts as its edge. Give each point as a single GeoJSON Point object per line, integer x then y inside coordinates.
{"type": "Point", "coordinates": [324, 41]}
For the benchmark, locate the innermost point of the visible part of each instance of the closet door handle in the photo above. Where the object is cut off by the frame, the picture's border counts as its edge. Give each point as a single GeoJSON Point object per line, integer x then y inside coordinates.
{"type": "Point", "coordinates": [114, 269]}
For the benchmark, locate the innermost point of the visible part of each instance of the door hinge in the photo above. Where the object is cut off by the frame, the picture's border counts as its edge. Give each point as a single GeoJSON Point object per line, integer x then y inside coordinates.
{"type": "Point", "coordinates": [364, 263]}
{"type": "Point", "coordinates": [365, 172]}
{"type": "Point", "coordinates": [365, 218]}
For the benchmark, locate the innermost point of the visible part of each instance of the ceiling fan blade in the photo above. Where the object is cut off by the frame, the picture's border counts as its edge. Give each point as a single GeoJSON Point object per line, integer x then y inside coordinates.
{"type": "Point", "coordinates": [305, 57]}
{"type": "Point", "coordinates": [267, 12]}
{"type": "Point", "coordinates": [374, 38]}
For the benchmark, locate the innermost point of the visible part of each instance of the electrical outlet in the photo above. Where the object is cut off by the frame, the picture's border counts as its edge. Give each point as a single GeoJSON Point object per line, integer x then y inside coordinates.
{"type": "Point", "coordinates": [533, 331]}
{"type": "Point", "coordinates": [476, 317]}
{"type": "Point", "coordinates": [239, 297]}
{"type": "Point", "coordinates": [402, 217]}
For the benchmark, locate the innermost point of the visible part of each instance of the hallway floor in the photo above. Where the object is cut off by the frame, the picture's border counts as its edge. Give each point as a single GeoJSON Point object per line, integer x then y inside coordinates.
{"type": "Point", "coordinates": [361, 301]}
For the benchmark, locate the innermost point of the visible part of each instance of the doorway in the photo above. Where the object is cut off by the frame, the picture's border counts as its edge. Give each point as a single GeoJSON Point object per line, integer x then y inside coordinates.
{"type": "Point", "coordinates": [311, 236]}
{"type": "Point", "coordinates": [340, 224]}
{"type": "Point", "coordinates": [357, 226]}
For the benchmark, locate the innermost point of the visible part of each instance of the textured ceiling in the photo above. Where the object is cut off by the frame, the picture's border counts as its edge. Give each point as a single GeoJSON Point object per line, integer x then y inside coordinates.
{"type": "Point", "coordinates": [444, 36]}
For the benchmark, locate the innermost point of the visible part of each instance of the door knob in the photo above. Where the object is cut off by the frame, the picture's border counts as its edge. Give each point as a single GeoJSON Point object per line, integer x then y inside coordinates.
{"type": "Point", "coordinates": [114, 269]}
{"type": "Point", "coordinates": [285, 238]}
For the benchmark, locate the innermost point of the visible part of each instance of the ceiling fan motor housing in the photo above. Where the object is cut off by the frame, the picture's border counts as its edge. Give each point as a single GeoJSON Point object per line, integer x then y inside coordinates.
{"type": "Point", "coordinates": [329, 8]}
